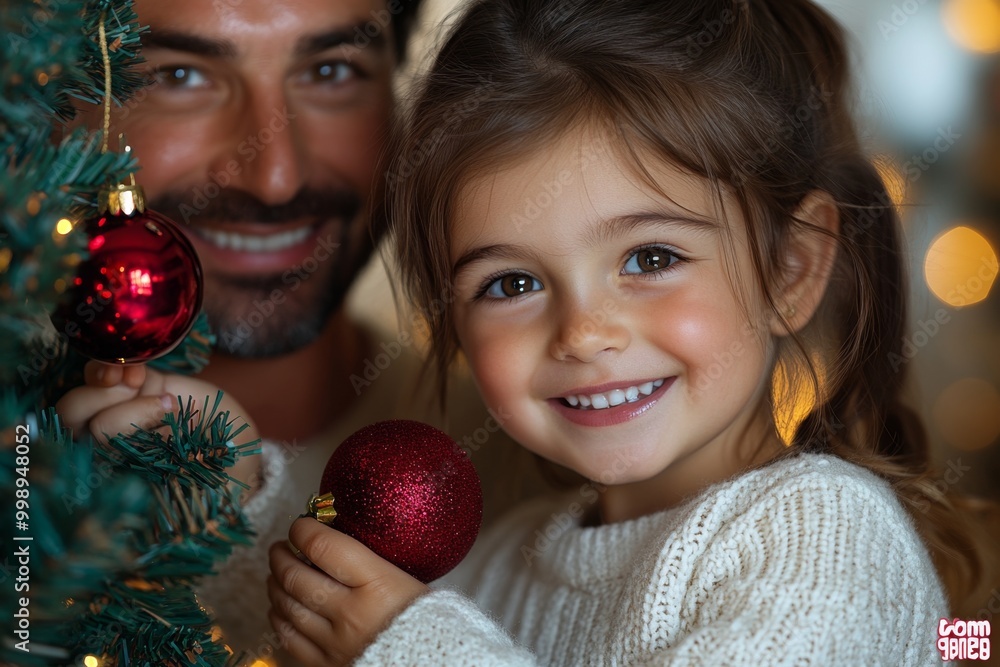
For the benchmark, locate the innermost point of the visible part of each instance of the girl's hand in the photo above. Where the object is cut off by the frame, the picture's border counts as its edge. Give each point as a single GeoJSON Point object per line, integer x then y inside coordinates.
{"type": "Point", "coordinates": [329, 613]}
{"type": "Point", "coordinates": [115, 399]}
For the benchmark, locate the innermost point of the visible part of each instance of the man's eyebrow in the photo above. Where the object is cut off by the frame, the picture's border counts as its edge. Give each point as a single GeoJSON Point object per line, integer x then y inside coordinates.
{"type": "Point", "coordinates": [312, 44]}
{"type": "Point", "coordinates": [620, 225]}
{"type": "Point", "coordinates": [181, 41]}
{"type": "Point", "coordinates": [482, 253]}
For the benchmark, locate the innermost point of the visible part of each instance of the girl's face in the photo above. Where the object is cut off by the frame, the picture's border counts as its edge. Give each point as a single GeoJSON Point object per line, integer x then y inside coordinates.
{"type": "Point", "coordinates": [602, 319]}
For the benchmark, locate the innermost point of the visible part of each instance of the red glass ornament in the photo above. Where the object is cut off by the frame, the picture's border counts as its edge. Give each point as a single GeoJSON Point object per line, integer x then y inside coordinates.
{"type": "Point", "coordinates": [409, 493]}
{"type": "Point", "coordinates": [137, 295]}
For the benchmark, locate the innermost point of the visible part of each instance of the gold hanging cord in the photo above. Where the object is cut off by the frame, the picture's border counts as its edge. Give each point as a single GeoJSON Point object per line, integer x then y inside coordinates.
{"type": "Point", "coordinates": [122, 199]}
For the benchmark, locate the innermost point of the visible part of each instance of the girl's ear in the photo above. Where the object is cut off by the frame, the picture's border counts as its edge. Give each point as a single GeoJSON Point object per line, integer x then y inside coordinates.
{"type": "Point", "coordinates": [810, 252]}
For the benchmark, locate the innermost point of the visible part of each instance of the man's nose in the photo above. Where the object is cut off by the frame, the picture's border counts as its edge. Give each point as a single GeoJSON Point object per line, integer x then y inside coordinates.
{"type": "Point", "coordinates": [267, 147]}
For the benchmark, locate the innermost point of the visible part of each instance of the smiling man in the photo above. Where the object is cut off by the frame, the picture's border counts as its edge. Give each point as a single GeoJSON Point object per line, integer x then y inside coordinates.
{"type": "Point", "coordinates": [261, 136]}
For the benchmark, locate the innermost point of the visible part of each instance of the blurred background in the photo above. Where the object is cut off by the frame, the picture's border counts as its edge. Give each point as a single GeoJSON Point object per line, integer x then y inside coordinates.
{"type": "Point", "coordinates": [928, 79]}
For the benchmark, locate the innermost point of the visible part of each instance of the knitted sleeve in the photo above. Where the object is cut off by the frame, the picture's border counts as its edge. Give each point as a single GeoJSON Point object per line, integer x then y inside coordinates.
{"type": "Point", "coordinates": [444, 628]}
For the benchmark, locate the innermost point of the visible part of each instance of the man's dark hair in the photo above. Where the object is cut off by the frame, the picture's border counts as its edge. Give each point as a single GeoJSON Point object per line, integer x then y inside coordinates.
{"type": "Point", "coordinates": [403, 21]}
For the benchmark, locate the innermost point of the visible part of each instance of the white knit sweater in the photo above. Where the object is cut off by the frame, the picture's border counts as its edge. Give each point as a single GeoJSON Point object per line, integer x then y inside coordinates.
{"type": "Point", "coordinates": [807, 561]}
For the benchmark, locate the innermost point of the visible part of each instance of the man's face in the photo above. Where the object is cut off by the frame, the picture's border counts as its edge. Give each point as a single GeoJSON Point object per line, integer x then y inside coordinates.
{"type": "Point", "coordinates": [260, 138]}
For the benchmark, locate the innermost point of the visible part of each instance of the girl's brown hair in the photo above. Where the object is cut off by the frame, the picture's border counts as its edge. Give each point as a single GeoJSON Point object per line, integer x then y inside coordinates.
{"type": "Point", "coordinates": [752, 96]}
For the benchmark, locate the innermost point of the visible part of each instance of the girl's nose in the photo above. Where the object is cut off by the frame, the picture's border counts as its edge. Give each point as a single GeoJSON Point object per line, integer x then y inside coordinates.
{"type": "Point", "coordinates": [584, 334]}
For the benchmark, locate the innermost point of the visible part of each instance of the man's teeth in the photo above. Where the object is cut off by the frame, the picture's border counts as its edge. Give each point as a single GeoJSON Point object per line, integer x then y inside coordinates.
{"type": "Point", "coordinates": [255, 243]}
{"type": "Point", "coordinates": [610, 399]}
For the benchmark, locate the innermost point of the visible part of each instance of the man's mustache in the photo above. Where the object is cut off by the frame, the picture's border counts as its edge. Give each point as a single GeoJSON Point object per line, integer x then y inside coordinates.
{"type": "Point", "coordinates": [233, 205]}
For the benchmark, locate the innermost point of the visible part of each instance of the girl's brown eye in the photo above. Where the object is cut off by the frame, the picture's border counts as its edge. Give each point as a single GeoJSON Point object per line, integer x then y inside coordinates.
{"type": "Point", "coordinates": [649, 260]}
{"type": "Point", "coordinates": [512, 285]}
{"type": "Point", "coordinates": [515, 285]}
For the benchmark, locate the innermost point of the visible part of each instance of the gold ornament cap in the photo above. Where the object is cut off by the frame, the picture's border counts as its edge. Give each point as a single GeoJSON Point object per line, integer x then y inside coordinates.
{"type": "Point", "coordinates": [321, 508]}
{"type": "Point", "coordinates": [126, 200]}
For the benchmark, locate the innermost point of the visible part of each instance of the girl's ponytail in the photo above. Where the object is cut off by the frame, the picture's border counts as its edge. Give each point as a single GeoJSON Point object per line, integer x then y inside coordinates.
{"type": "Point", "coordinates": [866, 377]}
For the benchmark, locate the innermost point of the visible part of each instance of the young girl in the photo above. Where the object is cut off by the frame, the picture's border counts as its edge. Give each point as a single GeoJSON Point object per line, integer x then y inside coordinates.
{"type": "Point", "coordinates": [661, 232]}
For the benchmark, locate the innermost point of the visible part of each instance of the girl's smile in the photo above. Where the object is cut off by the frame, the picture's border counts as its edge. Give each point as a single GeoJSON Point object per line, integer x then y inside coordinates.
{"type": "Point", "coordinates": [612, 403]}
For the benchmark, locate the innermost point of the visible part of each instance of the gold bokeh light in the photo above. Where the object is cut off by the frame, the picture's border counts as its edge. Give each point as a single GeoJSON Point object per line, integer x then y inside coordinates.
{"type": "Point", "coordinates": [973, 24]}
{"type": "Point", "coordinates": [793, 395]}
{"type": "Point", "coordinates": [960, 267]}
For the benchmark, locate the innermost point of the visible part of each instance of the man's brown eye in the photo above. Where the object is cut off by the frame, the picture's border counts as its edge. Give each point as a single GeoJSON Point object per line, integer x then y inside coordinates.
{"type": "Point", "coordinates": [179, 76]}
{"type": "Point", "coordinates": [330, 72]}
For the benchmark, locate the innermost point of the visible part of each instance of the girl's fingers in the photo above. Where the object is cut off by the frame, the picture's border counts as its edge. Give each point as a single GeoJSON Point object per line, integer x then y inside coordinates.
{"type": "Point", "coordinates": [311, 588]}
{"type": "Point", "coordinates": [293, 641]}
{"type": "Point", "coordinates": [79, 405]}
{"type": "Point", "coordinates": [134, 375]}
{"type": "Point", "coordinates": [339, 555]}
{"type": "Point", "coordinates": [145, 412]}
{"type": "Point", "coordinates": [313, 626]}
{"type": "Point", "coordinates": [100, 374]}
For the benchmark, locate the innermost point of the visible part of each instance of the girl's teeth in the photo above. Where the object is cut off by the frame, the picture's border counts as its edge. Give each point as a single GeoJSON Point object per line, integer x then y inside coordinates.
{"type": "Point", "coordinates": [614, 397]}
{"type": "Point", "coordinates": [253, 242]}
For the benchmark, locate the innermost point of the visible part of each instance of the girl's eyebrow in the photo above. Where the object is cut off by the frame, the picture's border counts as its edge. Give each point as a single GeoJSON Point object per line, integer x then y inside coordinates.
{"type": "Point", "coordinates": [618, 226]}
{"type": "Point", "coordinates": [608, 230]}
{"type": "Point", "coordinates": [481, 253]}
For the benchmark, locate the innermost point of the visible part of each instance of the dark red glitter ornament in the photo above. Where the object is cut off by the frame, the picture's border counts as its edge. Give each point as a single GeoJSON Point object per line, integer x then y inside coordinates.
{"type": "Point", "coordinates": [408, 492]}
{"type": "Point", "coordinates": [138, 293]}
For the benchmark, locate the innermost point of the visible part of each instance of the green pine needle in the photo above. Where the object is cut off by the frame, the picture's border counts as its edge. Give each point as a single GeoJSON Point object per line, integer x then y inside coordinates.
{"type": "Point", "coordinates": [120, 532]}
{"type": "Point", "coordinates": [192, 355]}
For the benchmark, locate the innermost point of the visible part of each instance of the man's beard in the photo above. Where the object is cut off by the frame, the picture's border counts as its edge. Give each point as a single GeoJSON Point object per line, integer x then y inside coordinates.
{"type": "Point", "coordinates": [257, 316]}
